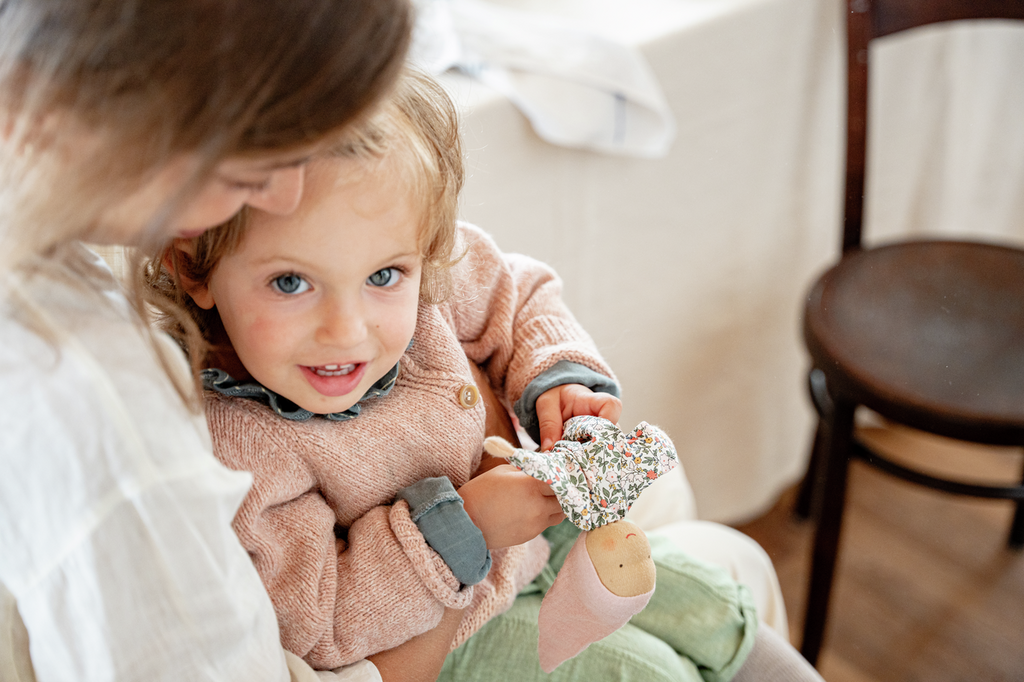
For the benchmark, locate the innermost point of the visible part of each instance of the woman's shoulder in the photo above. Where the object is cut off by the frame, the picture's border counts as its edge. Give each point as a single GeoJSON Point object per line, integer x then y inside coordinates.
{"type": "Point", "coordinates": [92, 433]}
{"type": "Point", "coordinates": [101, 387]}
{"type": "Point", "coordinates": [72, 295]}
{"type": "Point", "coordinates": [60, 346]}
{"type": "Point", "coordinates": [85, 383]}
{"type": "Point", "coordinates": [42, 348]}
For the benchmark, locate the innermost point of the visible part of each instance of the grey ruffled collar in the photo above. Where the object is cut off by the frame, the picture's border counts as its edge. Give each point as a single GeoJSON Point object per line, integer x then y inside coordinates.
{"type": "Point", "coordinates": [220, 381]}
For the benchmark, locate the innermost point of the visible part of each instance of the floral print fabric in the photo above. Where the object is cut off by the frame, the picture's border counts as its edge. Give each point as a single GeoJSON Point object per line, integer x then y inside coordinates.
{"type": "Point", "coordinates": [597, 471]}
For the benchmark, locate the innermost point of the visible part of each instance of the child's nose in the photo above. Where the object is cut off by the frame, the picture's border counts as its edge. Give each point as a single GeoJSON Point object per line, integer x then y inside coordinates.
{"type": "Point", "coordinates": [283, 193]}
{"type": "Point", "coordinates": [341, 325]}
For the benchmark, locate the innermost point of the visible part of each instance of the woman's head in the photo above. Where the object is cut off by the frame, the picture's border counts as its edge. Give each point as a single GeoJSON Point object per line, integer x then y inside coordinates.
{"type": "Point", "coordinates": [319, 304]}
{"type": "Point", "coordinates": [102, 101]}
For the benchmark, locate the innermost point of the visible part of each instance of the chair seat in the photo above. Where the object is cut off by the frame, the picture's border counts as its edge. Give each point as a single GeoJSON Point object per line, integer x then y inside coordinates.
{"type": "Point", "coordinates": [930, 333]}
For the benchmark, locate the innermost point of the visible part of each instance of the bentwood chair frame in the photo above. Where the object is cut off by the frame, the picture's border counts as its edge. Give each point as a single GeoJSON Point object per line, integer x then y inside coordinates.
{"type": "Point", "coordinates": [929, 334]}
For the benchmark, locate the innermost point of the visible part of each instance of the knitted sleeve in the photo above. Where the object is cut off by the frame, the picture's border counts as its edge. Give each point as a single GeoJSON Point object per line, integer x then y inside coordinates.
{"type": "Point", "coordinates": [508, 313]}
{"type": "Point", "coordinates": [339, 596]}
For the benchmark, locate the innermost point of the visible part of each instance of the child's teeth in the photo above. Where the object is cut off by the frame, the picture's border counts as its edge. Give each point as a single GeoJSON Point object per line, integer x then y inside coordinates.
{"type": "Point", "coordinates": [333, 370]}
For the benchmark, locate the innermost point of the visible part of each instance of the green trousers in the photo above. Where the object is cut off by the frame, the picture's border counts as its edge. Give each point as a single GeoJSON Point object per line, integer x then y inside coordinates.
{"type": "Point", "coordinates": [698, 627]}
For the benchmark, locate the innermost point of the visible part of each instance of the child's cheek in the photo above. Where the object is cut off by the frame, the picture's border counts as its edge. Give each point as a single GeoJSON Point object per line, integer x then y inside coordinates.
{"type": "Point", "coordinates": [266, 334]}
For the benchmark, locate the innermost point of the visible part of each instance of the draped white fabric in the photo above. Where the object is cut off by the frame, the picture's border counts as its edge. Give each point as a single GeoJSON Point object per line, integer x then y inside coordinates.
{"type": "Point", "coordinates": [690, 271]}
{"type": "Point", "coordinates": [577, 88]}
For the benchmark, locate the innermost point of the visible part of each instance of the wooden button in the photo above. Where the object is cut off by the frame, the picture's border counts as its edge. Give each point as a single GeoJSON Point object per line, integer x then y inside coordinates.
{"type": "Point", "coordinates": [469, 396]}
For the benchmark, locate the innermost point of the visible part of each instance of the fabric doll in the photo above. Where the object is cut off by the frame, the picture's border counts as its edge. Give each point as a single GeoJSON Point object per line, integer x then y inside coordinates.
{"type": "Point", "coordinates": [597, 472]}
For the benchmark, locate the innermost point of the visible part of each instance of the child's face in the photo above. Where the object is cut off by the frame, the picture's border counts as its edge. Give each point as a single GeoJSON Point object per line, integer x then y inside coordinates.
{"type": "Point", "coordinates": [321, 303]}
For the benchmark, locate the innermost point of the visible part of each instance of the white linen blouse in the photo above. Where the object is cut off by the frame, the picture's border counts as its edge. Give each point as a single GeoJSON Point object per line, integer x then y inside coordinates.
{"type": "Point", "coordinates": [117, 558]}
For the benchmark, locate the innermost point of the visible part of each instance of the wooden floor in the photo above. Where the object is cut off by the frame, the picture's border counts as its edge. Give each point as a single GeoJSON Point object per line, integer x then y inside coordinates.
{"type": "Point", "coordinates": [925, 588]}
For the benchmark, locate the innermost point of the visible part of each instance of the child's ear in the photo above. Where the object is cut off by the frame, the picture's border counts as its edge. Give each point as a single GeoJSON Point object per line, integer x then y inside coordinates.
{"type": "Point", "coordinates": [199, 292]}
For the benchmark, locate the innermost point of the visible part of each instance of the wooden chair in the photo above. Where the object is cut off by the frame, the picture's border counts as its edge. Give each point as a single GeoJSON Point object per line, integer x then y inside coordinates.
{"type": "Point", "coordinates": [929, 334]}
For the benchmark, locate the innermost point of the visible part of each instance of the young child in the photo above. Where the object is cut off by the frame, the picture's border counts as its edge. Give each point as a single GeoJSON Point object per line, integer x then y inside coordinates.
{"type": "Point", "coordinates": [339, 373]}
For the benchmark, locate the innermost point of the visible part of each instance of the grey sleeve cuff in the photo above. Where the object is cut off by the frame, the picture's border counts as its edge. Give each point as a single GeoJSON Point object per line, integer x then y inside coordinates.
{"type": "Point", "coordinates": [436, 509]}
{"type": "Point", "coordinates": [561, 373]}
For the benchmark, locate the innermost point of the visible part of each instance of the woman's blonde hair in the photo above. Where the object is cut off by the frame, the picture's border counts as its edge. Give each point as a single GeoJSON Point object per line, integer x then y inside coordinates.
{"type": "Point", "coordinates": [415, 130]}
{"type": "Point", "coordinates": [97, 96]}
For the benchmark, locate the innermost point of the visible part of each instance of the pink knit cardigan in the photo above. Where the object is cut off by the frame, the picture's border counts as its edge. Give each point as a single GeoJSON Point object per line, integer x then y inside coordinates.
{"type": "Point", "coordinates": [348, 571]}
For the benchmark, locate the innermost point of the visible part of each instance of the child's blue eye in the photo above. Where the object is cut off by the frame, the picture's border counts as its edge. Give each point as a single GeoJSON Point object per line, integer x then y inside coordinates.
{"type": "Point", "coordinates": [290, 284]}
{"type": "Point", "coordinates": [388, 277]}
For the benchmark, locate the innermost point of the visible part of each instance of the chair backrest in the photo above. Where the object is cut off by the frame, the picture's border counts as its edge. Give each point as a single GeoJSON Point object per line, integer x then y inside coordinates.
{"type": "Point", "coordinates": [870, 19]}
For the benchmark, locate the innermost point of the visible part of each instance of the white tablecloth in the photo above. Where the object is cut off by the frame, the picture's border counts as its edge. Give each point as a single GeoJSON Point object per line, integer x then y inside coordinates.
{"type": "Point", "coordinates": [690, 270]}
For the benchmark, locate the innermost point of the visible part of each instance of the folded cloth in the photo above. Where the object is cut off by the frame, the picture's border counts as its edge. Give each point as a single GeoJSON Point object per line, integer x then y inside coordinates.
{"type": "Point", "coordinates": [577, 89]}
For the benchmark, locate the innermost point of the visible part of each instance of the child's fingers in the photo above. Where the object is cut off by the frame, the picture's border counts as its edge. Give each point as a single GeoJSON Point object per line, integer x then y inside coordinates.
{"type": "Point", "coordinates": [539, 505]}
{"type": "Point", "coordinates": [586, 402]}
{"type": "Point", "coordinates": [571, 400]}
{"type": "Point", "coordinates": [552, 510]}
{"type": "Point", "coordinates": [607, 407]}
{"type": "Point", "coordinates": [549, 417]}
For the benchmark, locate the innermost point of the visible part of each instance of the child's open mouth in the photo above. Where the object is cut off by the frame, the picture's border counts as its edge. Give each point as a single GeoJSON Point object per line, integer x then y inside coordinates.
{"type": "Point", "coordinates": [333, 370]}
{"type": "Point", "coordinates": [335, 380]}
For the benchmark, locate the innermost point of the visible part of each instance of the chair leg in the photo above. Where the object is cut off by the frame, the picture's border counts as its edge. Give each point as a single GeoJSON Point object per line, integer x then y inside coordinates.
{"type": "Point", "coordinates": [1016, 540]}
{"type": "Point", "coordinates": [810, 488]}
{"type": "Point", "coordinates": [838, 432]}
{"type": "Point", "coordinates": [805, 501]}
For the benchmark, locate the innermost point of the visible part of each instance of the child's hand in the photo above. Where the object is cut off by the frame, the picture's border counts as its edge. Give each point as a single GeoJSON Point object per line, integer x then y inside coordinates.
{"type": "Point", "coordinates": [510, 507]}
{"type": "Point", "coordinates": [560, 403]}
{"type": "Point", "coordinates": [488, 462]}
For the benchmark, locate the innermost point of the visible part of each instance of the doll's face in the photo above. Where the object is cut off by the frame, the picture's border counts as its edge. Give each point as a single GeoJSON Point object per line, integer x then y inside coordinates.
{"type": "Point", "coordinates": [622, 558]}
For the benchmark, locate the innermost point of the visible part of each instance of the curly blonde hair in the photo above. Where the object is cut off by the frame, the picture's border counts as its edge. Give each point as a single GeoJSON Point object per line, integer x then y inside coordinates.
{"type": "Point", "coordinates": [417, 128]}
